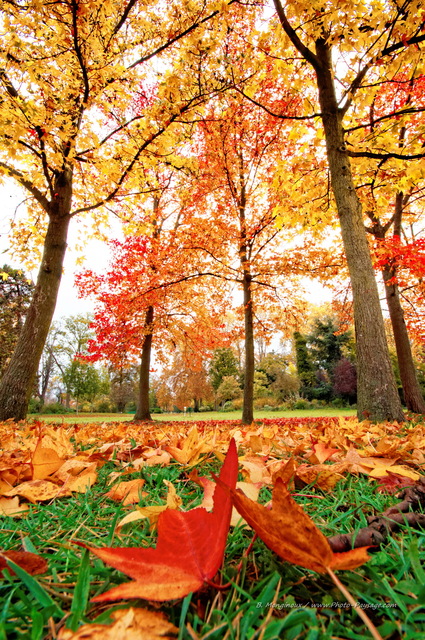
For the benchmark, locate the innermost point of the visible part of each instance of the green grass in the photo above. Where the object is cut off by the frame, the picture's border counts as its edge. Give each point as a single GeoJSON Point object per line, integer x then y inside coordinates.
{"type": "Point", "coordinates": [194, 417]}
{"type": "Point", "coordinates": [306, 605]}
{"type": "Point", "coordinates": [268, 599]}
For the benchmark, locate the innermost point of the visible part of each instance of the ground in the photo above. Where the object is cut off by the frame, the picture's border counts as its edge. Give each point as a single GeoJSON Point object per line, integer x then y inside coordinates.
{"type": "Point", "coordinates": [63, 484]}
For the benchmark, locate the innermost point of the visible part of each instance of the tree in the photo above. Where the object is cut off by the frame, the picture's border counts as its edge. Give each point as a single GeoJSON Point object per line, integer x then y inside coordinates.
{"type": "Point", "coordinates": [345, 380]}
{"type": "Point", "coordinates": [83, 381]}
{"type": "Point", "coordinates": [123, 386]}
{"type": "Point", "coordinates": [350, 50]}
{"type": "Point", "coordinates": [154, 296]}
{"type": "Point", "coordinates": [229, 389]}
{"type": "Point", "coordinates": [238, 146]}
{"type": "Point", "coordinates": [185, 383]}
{"type": "Point", "coordinates": [305, 368]}
{"type": "Point", "coordinates": [73, 134]}
{"type": "Point", "coordinates": [327, 341]}
{"type": "Point", "coordinates": [15, 296]}
{"type": "Point", "coordinates": [222, 364]}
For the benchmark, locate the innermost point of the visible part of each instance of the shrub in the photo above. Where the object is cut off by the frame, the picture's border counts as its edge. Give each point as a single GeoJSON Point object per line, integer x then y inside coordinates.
{"type": "Point", "coordinates": [301, 404]}
{"type": "Point", "coordinates": [55, 407]}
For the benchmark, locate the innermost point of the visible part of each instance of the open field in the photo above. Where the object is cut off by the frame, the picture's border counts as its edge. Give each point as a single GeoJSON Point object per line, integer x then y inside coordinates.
{"type": "Point", "coordinates": [191, 417]}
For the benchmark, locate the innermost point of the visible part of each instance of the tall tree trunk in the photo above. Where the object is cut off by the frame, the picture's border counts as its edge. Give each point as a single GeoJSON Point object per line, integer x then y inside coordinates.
{"type": "Point", "coordinates": [143, 411]}
{"type": "Point", "coordinates": [411, 388]}
{"type": "Point", "coordinates": [17, 382]}
{"type": "Point", "coordinates": [248, 390]}
{"type": "Point", "coordinates": [378, 398]}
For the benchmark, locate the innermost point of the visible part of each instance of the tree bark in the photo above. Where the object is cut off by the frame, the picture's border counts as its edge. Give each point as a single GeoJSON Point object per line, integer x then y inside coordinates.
{"type": "Point", "coordinates": [378, 398]}
{"type": "Point", "coordinates": [248, 390]}
{"type": "Point", "coordinates": [411, 388]}
{"type": "Point", "coordinates": [143, 411]}
{"type": "Point", "coordinates": [18, 379]}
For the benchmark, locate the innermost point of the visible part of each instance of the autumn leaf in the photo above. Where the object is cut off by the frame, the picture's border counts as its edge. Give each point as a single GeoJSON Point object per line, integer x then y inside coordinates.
{"type": "Point", "coordinates": [189, 551]}
{"type": "Point", "coordinates": [127, 492]}
{"type": "Point", "coordinates": [131, 624]}
{"type": "Point", "coordinates": [44, 462]}
{"type": "Point", "coordinates": [11, 507]}
{"type": "Point", "coordinates": [290, 532]}
{"type": "Point", "coordinates": [152, 512]}
{"type": "Point", "coordinates": [31, 562]}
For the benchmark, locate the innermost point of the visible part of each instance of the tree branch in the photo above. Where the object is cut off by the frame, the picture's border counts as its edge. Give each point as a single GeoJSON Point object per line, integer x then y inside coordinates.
{"type": "Point", "coordinates": [28, 185]}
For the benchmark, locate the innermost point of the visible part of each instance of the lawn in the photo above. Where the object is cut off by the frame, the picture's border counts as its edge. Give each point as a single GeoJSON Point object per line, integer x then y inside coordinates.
{"type": "Point", "coordinates": [191, 417]}
{"type": "Point", "coordinates": [266, 597]}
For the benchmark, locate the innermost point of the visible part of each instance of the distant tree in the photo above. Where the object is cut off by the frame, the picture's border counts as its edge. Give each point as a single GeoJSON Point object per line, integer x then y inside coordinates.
{"type": "Point", "coordinates": [223, 363]}
{"type": "Point", "coordinates": [285, 386]}
{"type": "Point", "coordinates": [305, 367]}
{"type": "Point", "coordinates": [229, 389]}
{"type": "Point", "coordinates": [326, 343]}
{"type": "Point", "coordinates": [272, 365]}
{"type": "Point", "coordinates": [15, 296]}
{"type": "Point", "coordinates": [345, 380]}
{"type": "Point", "coordinates": [123, 383]}
{"type": "Point", "coordinates": [83, 381]}
{"type": "Point", "coordinates": [261, 385]}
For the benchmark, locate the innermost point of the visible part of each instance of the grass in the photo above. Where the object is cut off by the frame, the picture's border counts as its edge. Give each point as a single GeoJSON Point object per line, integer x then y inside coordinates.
{"type": "Point", "coordinates": [193, 417]}
{"type": "Point", "coordinates": [268, 599]}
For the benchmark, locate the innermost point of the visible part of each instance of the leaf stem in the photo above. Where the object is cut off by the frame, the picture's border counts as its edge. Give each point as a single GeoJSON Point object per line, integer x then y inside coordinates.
{"type": "Point", "coordinates": [368, 622]}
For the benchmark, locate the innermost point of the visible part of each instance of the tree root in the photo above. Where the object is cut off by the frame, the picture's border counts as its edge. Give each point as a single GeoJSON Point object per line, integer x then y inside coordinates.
{"type": "Point", "coordinates": [379, 527]}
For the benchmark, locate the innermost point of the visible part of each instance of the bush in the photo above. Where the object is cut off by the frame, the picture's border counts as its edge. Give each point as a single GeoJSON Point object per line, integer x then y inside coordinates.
{"type": "Point", "coordinates": [228, 406]}
{"type": "Point", "coordinates": [262, 403]}
{"type": "Point", "coordinates": [301, 404]}
{"type": "Point", "coordinates": [34, 405]}
{"type": "Point", "coordinates": [206, 407]}
{"type": "Point", "coordinates": [55, 407]}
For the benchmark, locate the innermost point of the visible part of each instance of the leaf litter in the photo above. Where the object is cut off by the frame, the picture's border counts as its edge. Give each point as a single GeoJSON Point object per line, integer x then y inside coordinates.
{"type": "Point", "coordinates": [40, 463]}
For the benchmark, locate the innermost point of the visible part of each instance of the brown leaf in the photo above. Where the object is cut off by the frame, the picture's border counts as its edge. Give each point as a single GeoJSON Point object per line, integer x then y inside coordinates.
{"type": "Point", "coordinates": [129, 624]}
{"type": "Point", "coordinates": [44, 462]}
{"type": "Point", "coordinates": [290, 532]}
{"type": "Point", "coordinates": [127, 492]}
{"type": "Point", "coordinates": [31, 562]}
{"type": "Point", "coordinates": [11, 507]}
{"type": "Point", "coordinates": [37, 490]}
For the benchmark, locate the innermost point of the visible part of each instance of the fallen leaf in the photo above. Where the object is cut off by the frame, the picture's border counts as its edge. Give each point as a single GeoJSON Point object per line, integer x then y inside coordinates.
{"type": "Point", "coordinates": [290, 532]}
{"type": "Point", "coordinates": [152, 512]}
{"type": "Point", "coordinates": [37, 490]}
{"type": "Point", "coordinates": [189, 551]}
{"type": "Point", "coordinates": [191, 450]}
{"type": "Point", "coordinates": [31, 562]}
{"type": "Point", "coordinates": [129, 624]}
{"type": "Point", "coordinates": [11, 507]}
{"type": "Point", "coordinates": [44, 462]}
{"type": "Point", "coordinates": [127, 492]}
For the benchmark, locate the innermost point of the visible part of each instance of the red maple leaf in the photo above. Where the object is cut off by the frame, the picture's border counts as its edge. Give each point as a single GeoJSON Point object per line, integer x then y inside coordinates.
{"type": "Point", "coordinates": [189, 551]}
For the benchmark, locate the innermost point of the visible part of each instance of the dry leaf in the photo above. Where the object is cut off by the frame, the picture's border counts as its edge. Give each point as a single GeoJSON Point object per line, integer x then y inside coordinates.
{"type": "Point", "coordinates": [290, 532]}
{"type": "Point", "coordinates": [31, 562]}
{"type": "Point", "coordinates": [11, 507]}
{"type": "Point", "coordinates": [127, 492]}
{"type": "Point", "coordinates": [44, 462]}
{"type": "Point", "coordinates": [129, 624]}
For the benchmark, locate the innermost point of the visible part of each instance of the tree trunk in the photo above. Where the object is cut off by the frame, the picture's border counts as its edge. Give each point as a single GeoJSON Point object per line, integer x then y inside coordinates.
{"type": "Point", "coordinates": [17, 382]}
{"type": "Point", "coordinates": [143, 411]}
{"type": "Point", "coordinates": [378, 398]}
{"type": "Point", "coordinates": [411, 389]}
{"type": "Point", "coordinates": [248, 390]}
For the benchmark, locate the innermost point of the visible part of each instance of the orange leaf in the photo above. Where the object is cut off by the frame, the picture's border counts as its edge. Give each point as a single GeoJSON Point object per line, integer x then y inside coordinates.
{"type": "Point", "coordinates": [130, 623]}
{"type": "Point", "coordinates": [44, 462]}
{"type": "Point", "coordinates": [31, 562]}
{"type": "Point", "coordinates": [189, 551]}
{"type": "Point", "coordinates": [290, 532]}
